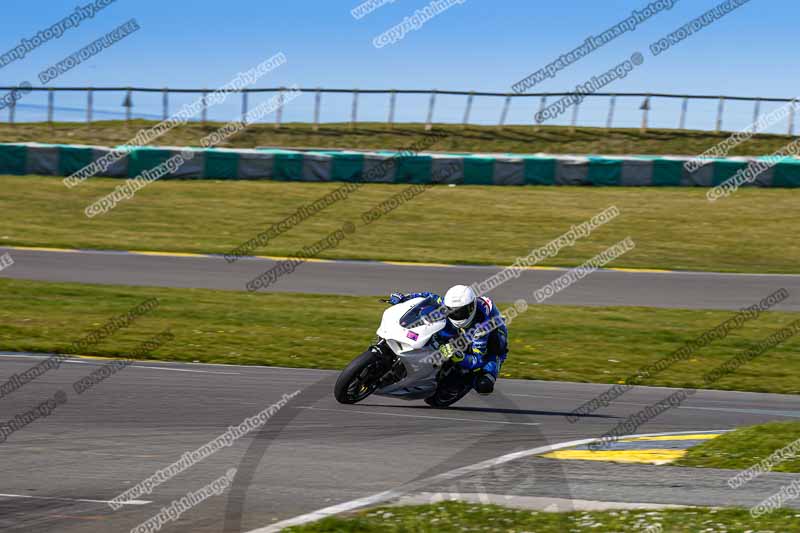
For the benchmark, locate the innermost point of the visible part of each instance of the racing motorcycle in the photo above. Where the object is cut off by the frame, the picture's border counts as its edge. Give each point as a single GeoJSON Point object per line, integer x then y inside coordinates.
{"type": "Point", "coordinates": [407, 361]}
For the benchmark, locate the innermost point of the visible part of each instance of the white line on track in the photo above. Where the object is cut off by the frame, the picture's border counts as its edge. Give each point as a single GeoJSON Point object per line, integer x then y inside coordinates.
{"type": "Point", "coordinates": [134, 365]}
{"type": "Point", "coordinates": [388, 495]}
{"type": "Point", "coordinates": [33, 355]}
{"type": "Point", "coordinates": [129, 502]}
{"type": "Point", "coordinates": [477, 420]}
{"type": "Point", "coordinates": [186, 370]}
{"type": "Point", "coordinates": [771, 412]}
{"type": "Point", "coordinates": [99, 362]}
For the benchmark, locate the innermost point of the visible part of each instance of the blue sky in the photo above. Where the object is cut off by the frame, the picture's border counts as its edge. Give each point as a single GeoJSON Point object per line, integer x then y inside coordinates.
{"type": "Point", "coordinates": [477, 45]}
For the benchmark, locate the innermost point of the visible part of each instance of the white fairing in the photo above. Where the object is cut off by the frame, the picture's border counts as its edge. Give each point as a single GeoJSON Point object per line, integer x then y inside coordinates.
{"type": "Point", "coordinates": [416, 354]}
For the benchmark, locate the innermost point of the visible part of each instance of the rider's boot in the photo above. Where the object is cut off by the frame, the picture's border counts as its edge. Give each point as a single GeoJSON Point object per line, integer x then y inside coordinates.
{"type": "Point", "coordinates": [484, 384]}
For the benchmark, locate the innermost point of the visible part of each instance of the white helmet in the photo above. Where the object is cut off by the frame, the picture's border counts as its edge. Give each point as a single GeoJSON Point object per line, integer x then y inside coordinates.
{"type": "Point", "coordinates": [460, 303]}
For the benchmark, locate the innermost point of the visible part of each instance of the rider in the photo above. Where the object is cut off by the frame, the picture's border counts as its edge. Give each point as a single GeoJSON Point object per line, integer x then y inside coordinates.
{"type": "Point", "coordinates": [480, 321]}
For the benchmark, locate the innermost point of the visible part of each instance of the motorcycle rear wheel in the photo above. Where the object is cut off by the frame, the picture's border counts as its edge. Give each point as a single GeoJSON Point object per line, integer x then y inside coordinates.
{"type": "Point", "coordinates": [359, 379]}
{"type": "Point", "coordinates": [451, 389]}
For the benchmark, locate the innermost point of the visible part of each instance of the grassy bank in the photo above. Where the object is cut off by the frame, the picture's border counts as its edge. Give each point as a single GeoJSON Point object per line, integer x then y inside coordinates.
{"type": "Point", "coordinates": [598, 344]}
{"type": "Point", "coordinates": [516, 139]}
{"type": "Point", "coordinates": [458, 517]}
{"type": "Point", "coordinates": [745, 447]}
{"type": "Point", "coordinates": [672, 228]}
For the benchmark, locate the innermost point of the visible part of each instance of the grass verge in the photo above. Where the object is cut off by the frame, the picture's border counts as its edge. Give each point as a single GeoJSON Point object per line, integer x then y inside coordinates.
{"type": "Point", "coordinates": [743, 448]}
{"type": "Point", "coordinates": [673, 228]}
{"type": "Point", "coordinates": [458, 517]}
{"type": "Point", "coordinates": [598, 344]}
{"type": "Point", "coordinates": [370, 135]}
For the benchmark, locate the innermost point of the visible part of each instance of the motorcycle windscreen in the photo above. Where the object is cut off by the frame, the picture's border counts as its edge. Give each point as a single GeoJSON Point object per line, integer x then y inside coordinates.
{"type": "Point", "coordinates": [422, 313]}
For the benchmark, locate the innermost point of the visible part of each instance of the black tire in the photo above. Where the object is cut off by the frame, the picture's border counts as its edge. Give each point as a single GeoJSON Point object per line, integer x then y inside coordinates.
{"type": "Point", "coordinates": [359, 379]}
{"type": "Point", "coordinates": [452, 388]}
{"type": "Point", "coordinates": [446, 397]}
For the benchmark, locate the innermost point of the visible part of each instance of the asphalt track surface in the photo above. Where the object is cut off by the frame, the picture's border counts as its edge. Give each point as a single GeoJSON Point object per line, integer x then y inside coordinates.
{"type": "Point", "coordinates": [690, 290]}
{"type": "Point", "coordinates": [314, 453]}
{"type": "Point", "coordinates": [60, 471]}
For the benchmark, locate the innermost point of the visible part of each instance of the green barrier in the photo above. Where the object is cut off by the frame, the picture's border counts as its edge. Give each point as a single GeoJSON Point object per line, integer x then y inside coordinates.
{"type": "Point", "coordinates": [413, 169]}
{"type": "Point", "coordinates": [71, 159]}
{"type": "Point", "coordinates": [221, 165]}
{"type": "Point", "coordinates": [786, 174]}
{"type": "Point", "coordinates": [725, 170]}
{"type": "Point", "coordinates": [288, 167]}
{"type": "Point", "coordinates": [604, 171]}
{"type": "Point", "coordinates": [667, 173]}
{"type": "Point", "coordinates": [142, 159]}
{"type": "Point", "coordinates": [478, 170]}
{"type": "Point", "coordinates": [13, 159]}
{"type": "Point", "coordinates": [540, 171]}
{"type": "Point", "coordinates": [347, 167]}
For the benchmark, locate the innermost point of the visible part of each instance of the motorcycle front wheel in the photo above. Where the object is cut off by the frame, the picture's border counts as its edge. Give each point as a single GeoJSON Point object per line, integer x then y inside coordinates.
{"type": "Point", "coordinates": [359, 379]}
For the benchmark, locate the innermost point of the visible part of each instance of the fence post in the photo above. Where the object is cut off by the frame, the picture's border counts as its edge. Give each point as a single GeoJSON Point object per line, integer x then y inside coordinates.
{"type": "Point", "coordinates": [612, 104]}
{"type": "Point", "coordinates": [542, 105]}
{"type": "Point", "coordinates": [720, 110]}
{"type": "Point", "coordinates": [279, 111]}
{"type": "Point", "coordinates": [89, 105]}
{"type": "Point", "coordinates": [244, 107]}
{"type": "Point", "coordinates": [684, 109]}
{"type": "Point", "coordinates": [468, 109]}
{"type": "Point", "coordinates": [574, 122]}
{"type": "Point", "coordinates": [128, 104]}
{"type": "Point", "coordinates": [165, 103]}
{"type": "Point", "coordinates": [504, 114]}
{"type": "Point", "coordinates": [50, 102]}
{"type": "Point", "coordinates": [317, 103]}
{"type": "Point", "coordinates": [756, 113]}
{"type": "Point", "coordinates": [392, 101]}
{"type": "Point", "coordinates": [12, 111]}
{"type": "Point", "coordinates": [431, 104]}
{"type": "Point", "coordinates": [645, 107]}
{"type": "Point", "coordinates": [354, 110]}
{"type": "Point", "coordinates": [791, 117]}
{"type": "Point", "coordinates": [204, 113]}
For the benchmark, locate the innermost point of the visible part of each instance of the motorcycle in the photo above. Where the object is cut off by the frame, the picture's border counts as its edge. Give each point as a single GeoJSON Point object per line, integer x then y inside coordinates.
{"type": "Point", "coordinates": [407, 361]}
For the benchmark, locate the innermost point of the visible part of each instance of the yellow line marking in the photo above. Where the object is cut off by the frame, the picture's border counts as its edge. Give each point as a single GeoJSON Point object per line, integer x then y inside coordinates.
{"type": "Point", "coordinates": [281, 258]}
{"type": "Point", "coordinates": [100, 357]}
{"type": "Point", "coordinates": [653, 270]}
{"type": "Point", "coordinates": [446, 265]}
{"type": "Point", "coordinates": [699, 436]}
{"type": "Point", "coordinates": [120, 358]}
{"type": "Point", "coordinates": [166, 254]}
{"type": "Point", "coordinates": [129, 358]}
{"type": "Point", "coordinates": [409, 263]}
{"type": "Point", "coordinates": [273, 257]}
{"type": "Point", "coordinates": [40, 249]}
{"type": "Point", "coordinates": [316, 260]}
{"type": "Point", "coordinates": [536, 267]}
{"type": "Point", "coordinates": [654, 456]}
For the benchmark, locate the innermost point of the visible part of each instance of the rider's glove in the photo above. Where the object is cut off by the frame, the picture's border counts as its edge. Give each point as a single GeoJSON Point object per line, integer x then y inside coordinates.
{"type": "Point", "coordinates": [449, 352]}
{"type": "Point", "coordinates": [396, 298]}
